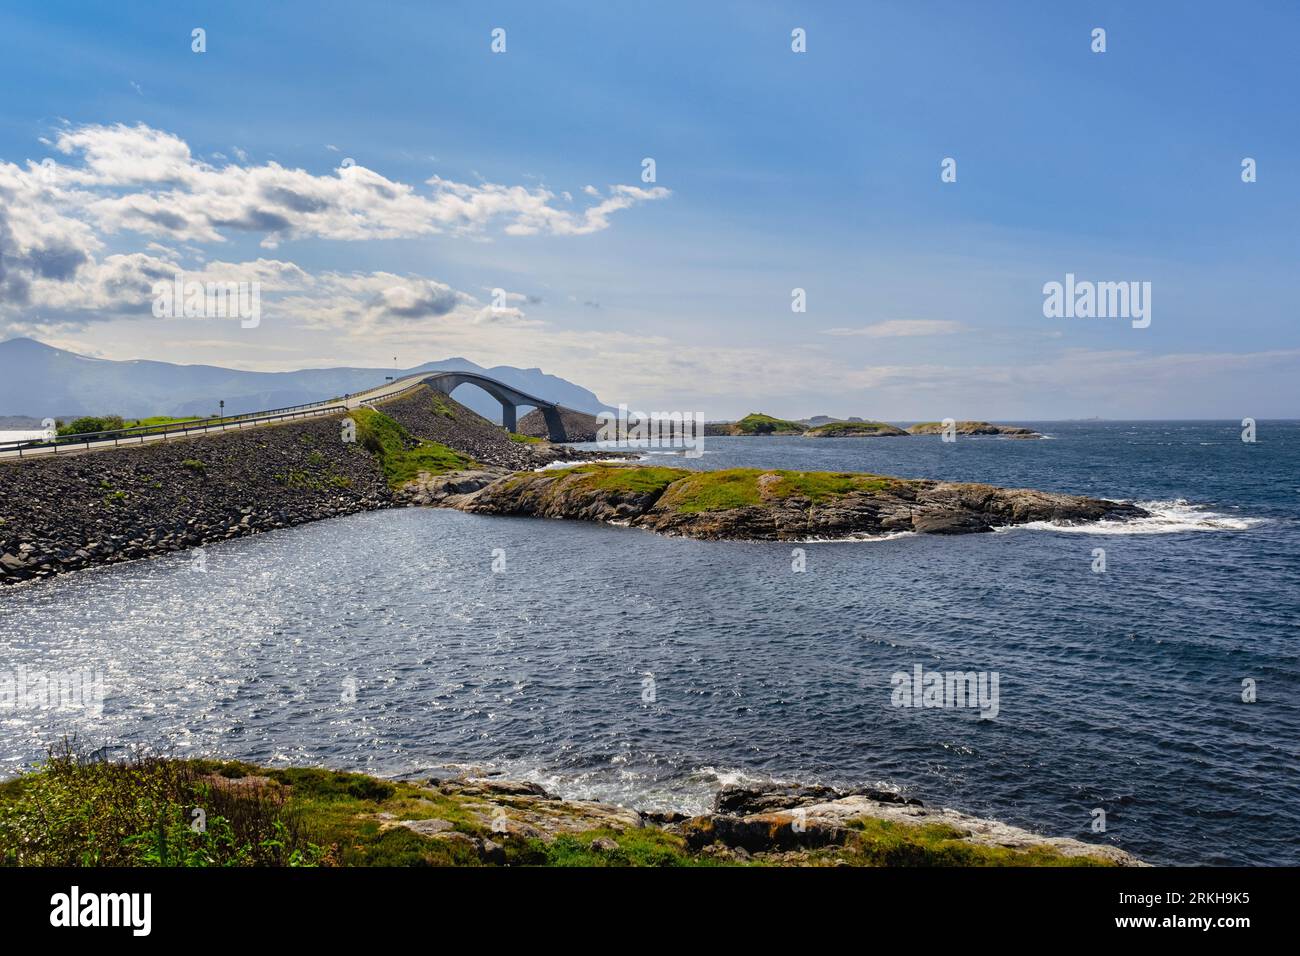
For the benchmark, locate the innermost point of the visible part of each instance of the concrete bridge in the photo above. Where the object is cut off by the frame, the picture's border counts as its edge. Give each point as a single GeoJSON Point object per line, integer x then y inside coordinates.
{"type": "Point", "coordinates": [511, 399]}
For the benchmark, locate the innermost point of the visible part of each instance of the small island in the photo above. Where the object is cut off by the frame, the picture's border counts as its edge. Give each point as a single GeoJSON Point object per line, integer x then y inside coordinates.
{"type": "Point", "coordinates": [854, 429]}
{"type": "Point", "coordinates": [758, 424]}
{"type": "Point", "coordinates": [974, 428]}
{"type": "Point", "coordinates": [763, 505]}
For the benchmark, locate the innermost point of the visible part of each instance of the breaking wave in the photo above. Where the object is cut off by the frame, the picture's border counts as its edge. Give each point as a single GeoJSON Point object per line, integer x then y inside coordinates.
{"type": "Point", "coordinates": [1167, 517]}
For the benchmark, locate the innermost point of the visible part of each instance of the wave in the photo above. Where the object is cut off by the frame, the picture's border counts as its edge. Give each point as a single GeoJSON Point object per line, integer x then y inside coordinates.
{"type": "Point", "coordinates": [855, 538]}
{"type": "Point", "coordinates": [628, 779]}
{"type": "Point", "coordinates": [554, 465]}
{"type": "Point", "coordinates": [1166, 517]}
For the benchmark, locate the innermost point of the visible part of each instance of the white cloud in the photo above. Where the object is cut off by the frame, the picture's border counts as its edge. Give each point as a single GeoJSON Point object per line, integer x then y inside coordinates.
{"type": "Point", "coordinates": [125, 182]}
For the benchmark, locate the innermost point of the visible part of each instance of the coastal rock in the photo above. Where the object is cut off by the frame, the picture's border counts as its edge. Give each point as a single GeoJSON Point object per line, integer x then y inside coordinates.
{"type": "Point", "coordinates": [974, 428]}
{"type": "Point", "coordinates": [760, 832]}
{"type": "Point", "coordinates": [779, 505]}
{"type": "Point", "coordinates": [525, 810]}
{"type": "Point", "coordinates": [778, 819]}
{"type": "Point", "coordinates": [737, 800]}
{"type": "Point", "coordinates": [448, 489]}
{"type": "Point", "coordinates": [470, 820]}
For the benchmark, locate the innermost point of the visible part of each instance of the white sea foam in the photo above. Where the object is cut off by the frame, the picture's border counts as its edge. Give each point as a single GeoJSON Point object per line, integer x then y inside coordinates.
{"type": "Point", "coordinates": [552, 466]}
{"type": "Point", "coordinates": [1167, 517]}
{"type": "Point", "coordinates": [856, 538]}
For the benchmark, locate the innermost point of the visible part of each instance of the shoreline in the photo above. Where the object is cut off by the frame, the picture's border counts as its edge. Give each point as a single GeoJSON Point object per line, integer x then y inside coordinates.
{"type": "Point", "coordinates": [344, 818]}
{"type": "Point", "coordinates": [75, 512]}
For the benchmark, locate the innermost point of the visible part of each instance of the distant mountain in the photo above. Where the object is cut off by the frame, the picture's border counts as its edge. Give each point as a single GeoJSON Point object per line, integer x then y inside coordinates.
{"type": "Point", "coordinates": [41, 381]}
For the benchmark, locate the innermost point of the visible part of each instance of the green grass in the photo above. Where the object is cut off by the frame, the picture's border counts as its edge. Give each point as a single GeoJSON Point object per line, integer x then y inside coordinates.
{"type": "Point", "coordinates": [157, 420]}
{"type": "Point", "coordinates": [401, 456]}
{"type": "Point", "coordinates": [875, 842]}
{"type": "Point", "coordinates": [524, 439]}
{"type": "Point", "coordinates": [824, 485]}
{"type": "Point", "coordinates": [756, 423]}
{"type": "Point", "coordinates": [740, 488]}
{"type": "Point", "coordinates": [379, 434]}
{"type": "Point", "coordinates": [649, 480]}
{"type": "Point", "coordinates": [645, 847]}
{"type": "Point", "coordinates": [691, 492]}
{"type": "Point", "coordinates": [714, 491]}
{"type": "Point", "coordinates": [428, 456]}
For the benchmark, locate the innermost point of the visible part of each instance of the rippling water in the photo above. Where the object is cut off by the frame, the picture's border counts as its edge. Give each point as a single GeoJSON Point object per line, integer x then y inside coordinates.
{"type": "Point", "coordinates": [1119, 690]}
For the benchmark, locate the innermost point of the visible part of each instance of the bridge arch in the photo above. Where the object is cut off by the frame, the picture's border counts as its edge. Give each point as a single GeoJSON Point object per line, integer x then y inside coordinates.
{"type": "Point", "coordinates": [511, 399]}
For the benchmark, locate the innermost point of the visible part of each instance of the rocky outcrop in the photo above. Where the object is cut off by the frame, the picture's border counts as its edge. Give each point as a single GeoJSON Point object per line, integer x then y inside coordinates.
{"type": "Point", "coordinates": [779, 505]}
{"type": "Point", "coordinates": [974, 428]}
{"type": "Point", "coordinates": [857, 429]}
{"type": "Point", "coordinates": [779, 819]}
{"type": "Point", "coordinates": [775, 825]}
{"type": "Point", "coordinates": [450, 489]}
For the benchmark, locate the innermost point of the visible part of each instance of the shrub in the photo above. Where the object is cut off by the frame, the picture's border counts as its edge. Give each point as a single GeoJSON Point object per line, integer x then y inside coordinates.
{"type": "Point", "coordinates": [75, 810]}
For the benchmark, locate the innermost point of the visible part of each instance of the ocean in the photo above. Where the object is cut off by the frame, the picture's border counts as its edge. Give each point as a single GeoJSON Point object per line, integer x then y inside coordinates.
{"type": "Point", "coordinates": [613, 664]}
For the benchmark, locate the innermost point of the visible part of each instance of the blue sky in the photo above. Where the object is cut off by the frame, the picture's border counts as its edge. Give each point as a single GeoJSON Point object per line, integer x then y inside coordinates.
{"type": "Point", "coordinates": [775, 170]}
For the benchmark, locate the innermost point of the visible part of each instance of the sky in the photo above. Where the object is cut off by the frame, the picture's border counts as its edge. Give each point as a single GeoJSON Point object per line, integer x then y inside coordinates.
{"type": "Point", "coordinates": [379, 170]}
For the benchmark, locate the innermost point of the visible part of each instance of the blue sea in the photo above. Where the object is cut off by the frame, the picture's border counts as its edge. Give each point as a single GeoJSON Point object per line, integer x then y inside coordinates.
{"type": "Point", "coordinates": [611, 663]}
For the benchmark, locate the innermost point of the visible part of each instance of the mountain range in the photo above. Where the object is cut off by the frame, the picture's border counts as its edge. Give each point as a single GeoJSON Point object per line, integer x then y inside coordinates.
{"type": "Point", "coordinates": [40, 381]}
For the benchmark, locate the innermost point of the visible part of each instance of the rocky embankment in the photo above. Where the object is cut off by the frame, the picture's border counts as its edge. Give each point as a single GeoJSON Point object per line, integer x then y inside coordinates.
{"type": "Point", "coordinates": [746, 503]}
{"type": "Point", "coordinates": [68, 512]}
{"type": "Point", "coordinates": [63, 513]}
